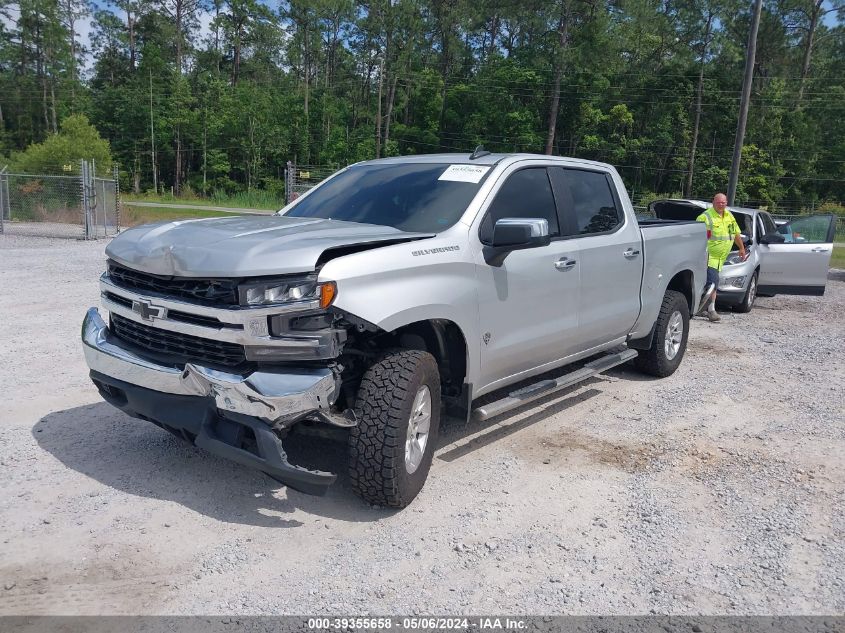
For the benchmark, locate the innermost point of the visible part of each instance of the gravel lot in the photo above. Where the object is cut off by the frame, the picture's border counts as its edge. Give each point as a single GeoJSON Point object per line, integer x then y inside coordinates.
{"type": "Point", "coordinates": [720, 490]}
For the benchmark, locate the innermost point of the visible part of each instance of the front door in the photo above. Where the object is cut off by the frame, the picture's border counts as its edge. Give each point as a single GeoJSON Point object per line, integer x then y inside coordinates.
{"type": "Point", "coordinates": [528, 306]}
{"type": "Point", "coordinates": [799, 264]}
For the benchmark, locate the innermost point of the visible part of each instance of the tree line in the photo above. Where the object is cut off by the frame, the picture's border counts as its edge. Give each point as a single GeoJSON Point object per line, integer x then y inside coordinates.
{"type": "Point", "coordinates": [216, 95]}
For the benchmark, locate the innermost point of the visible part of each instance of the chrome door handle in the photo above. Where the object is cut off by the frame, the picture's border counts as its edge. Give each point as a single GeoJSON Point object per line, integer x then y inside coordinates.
{"type": "Point", "coordinates": [631, 253]}
{"type": "Point", "coordinates": [564, 263]}
{"type": "Point", "coordinates": [818, 249]}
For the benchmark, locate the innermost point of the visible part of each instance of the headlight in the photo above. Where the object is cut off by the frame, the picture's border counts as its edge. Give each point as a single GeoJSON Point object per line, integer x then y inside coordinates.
{"type": "Point", "coordinates": [286, 291]}
{"type": "Point", "coordinates": [732, 282]}
{"type": "Point", "coordinates": [733, 258]}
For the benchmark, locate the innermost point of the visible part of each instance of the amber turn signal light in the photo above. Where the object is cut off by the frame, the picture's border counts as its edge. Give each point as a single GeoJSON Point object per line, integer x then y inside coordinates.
{"type": "Point", "coordinates": [328, 292]}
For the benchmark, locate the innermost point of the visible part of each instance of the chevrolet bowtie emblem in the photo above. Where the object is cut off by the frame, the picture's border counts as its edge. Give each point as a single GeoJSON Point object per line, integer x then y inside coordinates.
{"type": "Point", "coordinates": [147, 310]}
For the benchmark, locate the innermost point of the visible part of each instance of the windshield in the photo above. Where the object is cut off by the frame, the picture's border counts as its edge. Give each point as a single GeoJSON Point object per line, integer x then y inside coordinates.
{"type": "Point", "coordinates": [418, 197]}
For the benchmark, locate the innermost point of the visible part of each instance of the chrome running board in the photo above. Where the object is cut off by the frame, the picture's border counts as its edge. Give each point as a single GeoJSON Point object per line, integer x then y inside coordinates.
{"type": "Point", "coordinates": [542, 388]}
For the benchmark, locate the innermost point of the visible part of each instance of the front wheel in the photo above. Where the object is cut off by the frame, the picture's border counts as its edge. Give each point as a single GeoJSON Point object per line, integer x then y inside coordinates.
{"type": "Point", "coordinates": [670, 337]}
{"type": "Point", "coordinates": [750, 295]}
{"type": "Point", "coordinates": [398, 411]}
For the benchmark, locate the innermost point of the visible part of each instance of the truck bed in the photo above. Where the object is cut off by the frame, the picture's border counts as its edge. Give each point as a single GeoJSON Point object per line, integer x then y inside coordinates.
{"type": "Point", "coordinates": [665, 244]}
{"type": "Point", "coordinates": [650, 222]}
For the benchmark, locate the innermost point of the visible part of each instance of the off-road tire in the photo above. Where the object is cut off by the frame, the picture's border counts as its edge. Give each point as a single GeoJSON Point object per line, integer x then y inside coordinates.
{"type": "Point", "coordinates": [748, 299]}
{"type": "Point", "coordinates": [654, 360]}
{"type": "Point", "coordinates": [377, 443]}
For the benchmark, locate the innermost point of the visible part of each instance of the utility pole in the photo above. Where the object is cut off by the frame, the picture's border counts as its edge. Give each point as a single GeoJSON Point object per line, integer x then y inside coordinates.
{"type": "Point", "coordinates": [378, 108]}
{"type": "Point", "coordinates": [153, 135]}
{"type": "Point", "coordinates": [746, 97]}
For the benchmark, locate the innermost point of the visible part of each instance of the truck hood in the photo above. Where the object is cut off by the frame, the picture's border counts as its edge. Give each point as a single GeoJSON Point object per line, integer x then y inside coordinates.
{"type": "Point", "coordinates": [244, 246]}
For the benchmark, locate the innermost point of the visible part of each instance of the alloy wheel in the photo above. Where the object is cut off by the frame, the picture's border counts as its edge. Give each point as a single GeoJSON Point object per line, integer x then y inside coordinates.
{"type": "Point", "coordinates": [418, 428]}
{"type": "Point", "coordinates": [674, 335]}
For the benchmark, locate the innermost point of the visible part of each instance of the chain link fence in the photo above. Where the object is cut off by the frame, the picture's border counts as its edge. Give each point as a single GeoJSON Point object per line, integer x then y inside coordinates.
{"type": "Point", "coordinates": [75, 205]}
{"type": "Point", "coordinates": [105, 208]}
{"type": "Point", "coordinates": [301, 178]}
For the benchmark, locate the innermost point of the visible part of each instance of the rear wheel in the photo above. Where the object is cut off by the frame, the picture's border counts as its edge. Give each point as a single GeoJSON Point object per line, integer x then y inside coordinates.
{"type": "Point", "coordinates": [750, 295]}
{"type": "Point", "coordinates": [398, 411]}
{"type": "Point", "coordinates": [670, 337]}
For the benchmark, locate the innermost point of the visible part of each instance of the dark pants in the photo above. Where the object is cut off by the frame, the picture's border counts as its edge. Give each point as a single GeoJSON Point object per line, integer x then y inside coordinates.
{"type": "Point", "coordinates": [712, 276]}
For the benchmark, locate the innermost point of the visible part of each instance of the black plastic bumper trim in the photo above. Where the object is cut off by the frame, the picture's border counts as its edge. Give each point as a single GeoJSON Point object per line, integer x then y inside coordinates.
{"type": "Point", "coordinates": [197, 418]}
{"type": "Point", "coordinates": [730, 297]}
{"type": "Point", "coordinates": [810, 291]}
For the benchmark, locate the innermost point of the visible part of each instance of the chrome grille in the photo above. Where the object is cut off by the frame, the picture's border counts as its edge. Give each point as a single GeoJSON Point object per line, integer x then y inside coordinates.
{"type": "Point", "coordinates": [214, 292]}
{"type": "Point", "coordinates": [182, 348]}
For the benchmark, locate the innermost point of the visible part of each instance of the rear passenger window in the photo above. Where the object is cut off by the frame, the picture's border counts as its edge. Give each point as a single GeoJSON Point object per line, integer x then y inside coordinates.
{"type": "Point", "coordinates": [526, 193]}
{"type": "Point", "coordinates": [587, 202]}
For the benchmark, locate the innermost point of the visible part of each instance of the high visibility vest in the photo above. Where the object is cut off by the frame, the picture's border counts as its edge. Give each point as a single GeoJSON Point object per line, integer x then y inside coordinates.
{"type": "Point", "coordinates": [720, 236]}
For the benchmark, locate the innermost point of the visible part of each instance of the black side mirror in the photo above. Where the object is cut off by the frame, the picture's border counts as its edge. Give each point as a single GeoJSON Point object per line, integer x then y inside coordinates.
{"type": "Point", "coordinates": [772, 238]}
{"type": "Point", "coordinates": [747, 241]}
{"type": "Point", "coordinates": [513, 234]}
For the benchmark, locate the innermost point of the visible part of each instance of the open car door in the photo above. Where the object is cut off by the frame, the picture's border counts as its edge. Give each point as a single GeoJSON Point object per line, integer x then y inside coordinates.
{"type": "Point", "coordinates": [794, 260]}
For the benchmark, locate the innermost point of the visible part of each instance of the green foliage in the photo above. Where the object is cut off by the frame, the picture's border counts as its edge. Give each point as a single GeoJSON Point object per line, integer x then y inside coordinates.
{"type": "Point", "coordinates": [76, 140]}
{"type": "Point", "coordinates": [313, 81]}
{"type": "Point", "coordinates": [643, 198]}
{"type": "Point", "coordinates": [832, 207]}
{"type": "Point", "coordinates": [271, 198]}
{"type": "Point", "coordinates": [761, 176]}
{"type": "Point", "coordinates": [710, 181]}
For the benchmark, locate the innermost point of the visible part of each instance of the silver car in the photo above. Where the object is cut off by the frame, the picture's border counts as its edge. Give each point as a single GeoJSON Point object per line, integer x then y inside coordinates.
{"type": "Point", "coordinates": [783, 258]}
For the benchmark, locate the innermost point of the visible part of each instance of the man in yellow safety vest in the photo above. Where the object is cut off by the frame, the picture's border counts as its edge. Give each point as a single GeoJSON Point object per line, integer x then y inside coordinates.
{"type": "Point", "coordinates": [722, 232]}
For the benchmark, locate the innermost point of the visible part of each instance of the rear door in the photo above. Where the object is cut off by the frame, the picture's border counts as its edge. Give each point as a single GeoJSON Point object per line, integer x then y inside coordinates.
{"type": "Point", "coordinates": [798, 265]}
{"type": "Point", "coordinates": [609, 250]}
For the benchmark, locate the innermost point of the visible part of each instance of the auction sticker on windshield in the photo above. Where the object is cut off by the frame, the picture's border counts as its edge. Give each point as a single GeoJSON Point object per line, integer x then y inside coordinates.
{"type": "Point", "coordinates": [464, 173]}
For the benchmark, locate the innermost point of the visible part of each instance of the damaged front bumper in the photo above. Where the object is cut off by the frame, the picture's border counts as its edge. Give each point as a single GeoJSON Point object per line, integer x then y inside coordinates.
{"type": "Point", "coordinates": [231, 415]}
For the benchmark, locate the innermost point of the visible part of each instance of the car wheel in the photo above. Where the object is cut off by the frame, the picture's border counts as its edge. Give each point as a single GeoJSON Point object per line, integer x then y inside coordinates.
{"type": "Point", "coordinates": [670, 337]}
{"type": "Point", "coordinates": [398, 411]}
{"type": "Point", "coordinates": [750, 295]}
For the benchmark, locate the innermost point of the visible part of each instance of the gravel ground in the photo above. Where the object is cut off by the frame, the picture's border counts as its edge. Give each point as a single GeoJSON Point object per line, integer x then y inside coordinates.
{"type": "Point", "coordinates": [720, 490]}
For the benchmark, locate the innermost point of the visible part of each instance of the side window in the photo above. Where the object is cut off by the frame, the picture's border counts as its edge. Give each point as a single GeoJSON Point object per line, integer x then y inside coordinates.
{"type": "Point", "coordinates": [526, 193]}
{"type": "Point", "coordinates": [587, 201]}
{"type": "Point", "coordinates": [769, 225]}
{"type": "Point", "coordinates": [813, 229]}
{"type": "Point", "coordinates": [760, 229]}
{"type": "Point", "coordinates": [743, 221]}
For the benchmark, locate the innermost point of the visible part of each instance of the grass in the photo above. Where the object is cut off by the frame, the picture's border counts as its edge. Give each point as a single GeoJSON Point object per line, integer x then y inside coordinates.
{"type": "Point", "coordinates": [242, 200]}
{"type": "Point", "coordinates": [132, 216]}
{"type": "Point", "coordinates": [249, 200]}
{"type": "Point", "coordinates": [838, 258]}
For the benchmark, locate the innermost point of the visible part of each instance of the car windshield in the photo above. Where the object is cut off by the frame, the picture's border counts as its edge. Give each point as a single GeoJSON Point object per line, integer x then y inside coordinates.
{"type": "Point", "coordinates": [744, 221]}
{"type": "Point", "coordinates": [418, 197]}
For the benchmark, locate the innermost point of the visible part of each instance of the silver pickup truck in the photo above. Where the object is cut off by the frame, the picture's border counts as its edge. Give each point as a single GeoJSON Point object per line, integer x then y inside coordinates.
{"type": "Point", "coordinates": [393, 290]}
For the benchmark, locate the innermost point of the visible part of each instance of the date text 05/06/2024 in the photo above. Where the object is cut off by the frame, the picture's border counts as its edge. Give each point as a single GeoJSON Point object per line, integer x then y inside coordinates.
{"type": "Point", "coordinates": [416, 623]}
